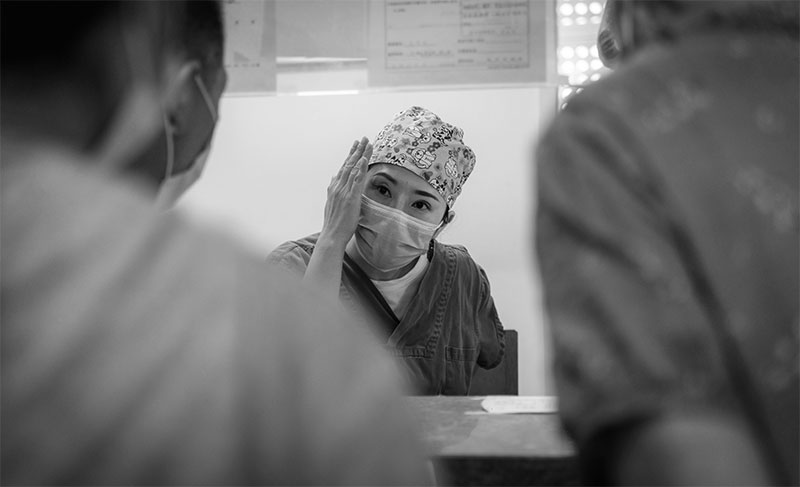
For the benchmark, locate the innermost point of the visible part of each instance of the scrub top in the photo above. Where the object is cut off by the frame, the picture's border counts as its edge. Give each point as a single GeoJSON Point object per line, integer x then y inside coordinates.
{"type": "Point", "coordinates": [449, 327]}
{"type": "Point", "coordinates": [137, 349]}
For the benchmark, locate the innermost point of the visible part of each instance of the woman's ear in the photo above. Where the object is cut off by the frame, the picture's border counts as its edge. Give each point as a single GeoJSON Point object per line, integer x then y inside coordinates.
{"type": "Point", "coordinates": [178, 105]}
{"type": "Point", "coordinates": [448, 218]}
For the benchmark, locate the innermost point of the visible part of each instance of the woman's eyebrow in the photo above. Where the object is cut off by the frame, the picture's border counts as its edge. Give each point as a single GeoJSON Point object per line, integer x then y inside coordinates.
{"type": "Point", "coordinates": [384, 175]}
{"type": "Point", "coordinates": [424, 193]}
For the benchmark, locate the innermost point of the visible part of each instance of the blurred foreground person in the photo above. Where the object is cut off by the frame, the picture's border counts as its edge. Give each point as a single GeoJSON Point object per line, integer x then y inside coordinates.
{"type": "Point", "coordinates": [667, 234]}
{"type": "Point", "coordinates": [137, 349]}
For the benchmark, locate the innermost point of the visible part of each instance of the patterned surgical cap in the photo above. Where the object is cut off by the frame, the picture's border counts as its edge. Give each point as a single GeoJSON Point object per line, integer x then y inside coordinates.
{"type": "Point", "coordinates": [418, 140]}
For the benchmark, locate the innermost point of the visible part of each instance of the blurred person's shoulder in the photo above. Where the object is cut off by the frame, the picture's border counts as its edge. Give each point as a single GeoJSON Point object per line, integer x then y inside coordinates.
{"type": "Point", "coordinates": [713, 60]}
{"type": "Point", "coordinates": [282, 374]}
{"type": "Point", "coordinates": [670, 97]}
{"type": "Point", "coordinates": [94, 225]}
{"type": "Point", "coordinates": [79, 206]}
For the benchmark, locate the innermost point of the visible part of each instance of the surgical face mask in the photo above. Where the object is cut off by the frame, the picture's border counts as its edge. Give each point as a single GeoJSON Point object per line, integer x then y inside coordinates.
{"type": "Point", "coordinates": [389, 239]}
{"type": "Point", "coordinates": [175, 185]}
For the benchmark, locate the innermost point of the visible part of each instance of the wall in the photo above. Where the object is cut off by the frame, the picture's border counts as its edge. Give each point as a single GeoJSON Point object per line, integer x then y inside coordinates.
{"type": "Point", "coordinates": [273, 157]}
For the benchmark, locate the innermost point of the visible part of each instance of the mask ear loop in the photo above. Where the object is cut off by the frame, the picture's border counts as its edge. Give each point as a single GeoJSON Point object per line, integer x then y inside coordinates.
{"type": "Point", "coordinates": [170, 149]}
{"type": "Point", "coordinates": [206, 96]}
{"type": "Point", "coordinates": [439, 230]}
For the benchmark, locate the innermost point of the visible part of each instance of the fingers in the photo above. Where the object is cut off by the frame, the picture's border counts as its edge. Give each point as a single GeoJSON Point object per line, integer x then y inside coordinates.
{"type": "Point", "coordinates": [353, 170]}
{"type": "Point", "coordinates": [360, 168]}
{"type": "Point", "coordinates": [363, 166]}
{"type": "Point", "coordinates": [368, 152]}
{"type": "Point", "coordinates": [353, 149]}
{"type": "Point", "coordinates": [356, 152]}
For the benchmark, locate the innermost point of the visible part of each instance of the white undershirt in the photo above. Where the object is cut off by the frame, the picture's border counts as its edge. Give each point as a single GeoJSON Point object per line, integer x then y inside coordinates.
{"type": "Point", "coordinates": [399, 292]}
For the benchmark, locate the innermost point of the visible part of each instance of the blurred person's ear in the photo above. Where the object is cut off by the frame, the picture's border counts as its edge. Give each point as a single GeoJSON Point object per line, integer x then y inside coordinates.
{"type": "Point", "coordinates": [620, 30]}
{"type": "Point", "coordinates": [630, 25]}
{"type": "Point", "coordinates": [608, 44]}
{"type": "Point", "coordinates": [181, 97]}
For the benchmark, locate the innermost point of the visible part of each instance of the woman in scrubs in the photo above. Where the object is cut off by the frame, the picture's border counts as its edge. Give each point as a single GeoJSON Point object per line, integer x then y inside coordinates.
{"type": "Point", "coordinates": [430, 302]}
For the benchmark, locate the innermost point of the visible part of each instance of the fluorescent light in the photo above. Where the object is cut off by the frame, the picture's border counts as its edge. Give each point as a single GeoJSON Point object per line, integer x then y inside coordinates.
{"type": "Point", "coordinates": [327, 92]}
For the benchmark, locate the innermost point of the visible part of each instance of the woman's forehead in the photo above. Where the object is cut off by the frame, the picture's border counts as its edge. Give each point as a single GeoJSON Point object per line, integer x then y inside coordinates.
{"type": "Point", "coordinates": [404, 178]}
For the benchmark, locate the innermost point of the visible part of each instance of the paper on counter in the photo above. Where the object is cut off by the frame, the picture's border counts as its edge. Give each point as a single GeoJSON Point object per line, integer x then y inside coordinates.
{"type": "Point", "coordinates": [520, 404]}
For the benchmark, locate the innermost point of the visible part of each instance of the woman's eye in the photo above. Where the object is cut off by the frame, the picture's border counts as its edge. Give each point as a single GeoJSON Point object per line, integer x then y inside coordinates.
{"type": "Point", "coordinates": [421, 205]}
{"type": "Point", "coordinates": [383, 190]}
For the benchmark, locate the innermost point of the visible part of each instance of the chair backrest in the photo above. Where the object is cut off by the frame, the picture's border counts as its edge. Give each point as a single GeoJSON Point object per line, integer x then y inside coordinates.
{"type": "Point", "coordinates": [503, 379]}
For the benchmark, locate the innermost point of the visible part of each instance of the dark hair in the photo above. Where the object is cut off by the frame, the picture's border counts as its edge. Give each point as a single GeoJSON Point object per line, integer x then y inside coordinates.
{"type": "Point", "coordinates": [203, 37]}
{"type": "Point", "coordinates": [49, 37]}
{"type": "Point", "coordinates": [38, 35]}
{"type": "Point", "coordinates": [51, 47]}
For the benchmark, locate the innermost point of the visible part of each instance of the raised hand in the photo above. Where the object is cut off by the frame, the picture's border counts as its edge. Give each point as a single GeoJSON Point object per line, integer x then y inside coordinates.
{"type": "Point", "coordinates": [343, 205]}
{"type": "Point", "coordinates": [342, 209]}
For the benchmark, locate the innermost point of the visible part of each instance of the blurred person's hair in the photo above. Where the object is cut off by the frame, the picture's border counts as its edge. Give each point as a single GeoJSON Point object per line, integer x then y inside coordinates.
{"type": "Point", "coordinates": [203, 34]}
{"type": "Point", "coordinates": [54, 38]}
{"type": "Point", "coordinates": [57, 54]}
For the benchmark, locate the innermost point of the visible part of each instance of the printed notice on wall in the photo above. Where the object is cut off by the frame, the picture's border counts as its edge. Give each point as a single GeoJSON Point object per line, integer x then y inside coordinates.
{"type": "Point", "coordinates": [250, 46]}
{"type": "Point", "coordinates": [431, 42]}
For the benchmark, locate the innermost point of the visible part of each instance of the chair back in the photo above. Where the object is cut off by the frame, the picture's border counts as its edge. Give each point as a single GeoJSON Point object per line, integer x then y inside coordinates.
{"type": "Point", "coordinates": [503, 379]}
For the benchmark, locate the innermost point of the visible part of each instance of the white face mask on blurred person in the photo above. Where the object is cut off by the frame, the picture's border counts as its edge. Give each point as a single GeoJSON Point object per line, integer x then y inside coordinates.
{"type": "Point", "coordinates": [175, 185]}
{"type": "Point", "coordinates": [388, 239]}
